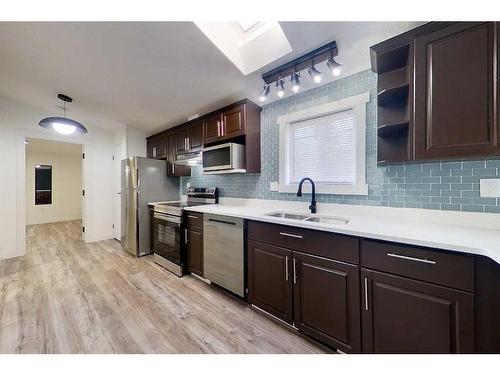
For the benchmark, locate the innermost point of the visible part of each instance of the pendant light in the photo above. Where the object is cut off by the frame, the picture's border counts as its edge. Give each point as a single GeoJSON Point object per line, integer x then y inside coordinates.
{"type": "Point", "coordinates": [63, 125]}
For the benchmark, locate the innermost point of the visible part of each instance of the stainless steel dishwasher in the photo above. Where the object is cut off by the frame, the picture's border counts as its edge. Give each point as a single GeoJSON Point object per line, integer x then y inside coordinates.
{"type": "Point", "coordinates": [223, 248]}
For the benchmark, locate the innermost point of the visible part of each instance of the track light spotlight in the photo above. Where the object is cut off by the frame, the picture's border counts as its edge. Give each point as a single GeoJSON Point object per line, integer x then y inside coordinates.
{"type": "Point", "coordinates": [264, 93]}
{"type": "Point", "coordinates": [315, 74]}
{"type": "Point", "coordinates": [280, 85]}
{"type": "Point", "coordinates": [295, 82]}
{"type": "Point", "coordinates": [335, 67]}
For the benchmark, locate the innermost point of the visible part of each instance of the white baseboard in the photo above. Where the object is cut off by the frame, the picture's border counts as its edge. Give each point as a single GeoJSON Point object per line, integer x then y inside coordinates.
{"type": "Point", "coordinates": [12, 254]}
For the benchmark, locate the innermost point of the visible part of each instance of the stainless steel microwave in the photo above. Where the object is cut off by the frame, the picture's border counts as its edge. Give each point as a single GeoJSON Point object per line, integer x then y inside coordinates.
{"type": "Point", "coordinates": [225, 158]}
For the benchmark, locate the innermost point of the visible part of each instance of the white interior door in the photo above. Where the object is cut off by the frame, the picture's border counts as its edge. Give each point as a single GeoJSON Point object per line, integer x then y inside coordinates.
{"type": "Point", "coordinates": [118, 155]}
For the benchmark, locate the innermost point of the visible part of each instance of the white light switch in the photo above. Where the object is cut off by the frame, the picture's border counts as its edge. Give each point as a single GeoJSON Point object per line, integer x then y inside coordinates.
{"type": "Point", "coordinates": [273, 186]}
{"type": "Point", "coordinates": [490, 187]}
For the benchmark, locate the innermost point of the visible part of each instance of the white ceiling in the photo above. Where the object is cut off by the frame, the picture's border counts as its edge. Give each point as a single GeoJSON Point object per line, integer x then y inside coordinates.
{"type": "Point", "coordinates": [153, 75]}
{"type": "Point", "coordinates": [52, 147]}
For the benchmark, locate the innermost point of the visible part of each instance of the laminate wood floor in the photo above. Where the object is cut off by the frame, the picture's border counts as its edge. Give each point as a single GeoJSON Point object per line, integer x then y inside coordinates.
{"type": "Point", "coordinates": [65, 296]}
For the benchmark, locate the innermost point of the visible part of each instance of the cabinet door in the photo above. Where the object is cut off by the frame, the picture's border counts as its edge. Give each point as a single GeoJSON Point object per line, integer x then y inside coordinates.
{"type": "Point", "coordinates": [171, 146]}
{"type": "Point", "coordinates": [152, 148]}
{"type": "Point", "coordinates": [181, 139]}
{"type": "Point", "coordinates": [401, 315]}
{"type": "Point", "coordinates": [454, 101]}
{"type": "Point", "coordinates": [326, 301]}
{"type": "Point", "coordinates": [195, 136]}
{"type": "Point", "coordinates": [269, 279]}
{"type": "Point", "coordinates": [178, 170]}
{"type": "Point", "coordinates": [212, 128]}
{"type": "Point", "coordinates": [195, 250]}
{"type": "Point", "coordinates": [162, 147]}
{"type": "Point", "coordinates": [233, 122]}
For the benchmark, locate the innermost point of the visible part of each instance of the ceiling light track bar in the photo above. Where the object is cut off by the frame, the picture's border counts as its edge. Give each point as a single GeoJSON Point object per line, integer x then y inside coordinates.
{"type": "Point", "coordinates": [303, 62]}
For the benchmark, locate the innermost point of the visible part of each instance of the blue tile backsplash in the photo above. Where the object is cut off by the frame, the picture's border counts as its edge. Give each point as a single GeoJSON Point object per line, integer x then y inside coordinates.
{"type": "Point", "coordinates": [439, 185]}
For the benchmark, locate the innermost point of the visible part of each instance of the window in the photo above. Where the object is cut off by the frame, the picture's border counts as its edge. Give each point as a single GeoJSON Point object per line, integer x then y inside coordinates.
{"type": "Point", "coordinates": [327, 144]}
{"type": "Point", "coordinates": [43, 184]}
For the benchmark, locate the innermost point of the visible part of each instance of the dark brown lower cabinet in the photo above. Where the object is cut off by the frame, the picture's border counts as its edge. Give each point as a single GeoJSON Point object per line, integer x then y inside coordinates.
{"type": "Point", "coordinates": [195, 249]}
{"type": "Point", "coordinates": [401, 315]}
{"type": "Point", "coordinates": [270, 279]}
{"type": "Point", "coordinates": [326, 301]}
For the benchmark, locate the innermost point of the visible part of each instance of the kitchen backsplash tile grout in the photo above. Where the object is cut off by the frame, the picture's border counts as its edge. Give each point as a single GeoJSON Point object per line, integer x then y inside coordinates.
{"type": "Point", "coordinates": [438, 185]}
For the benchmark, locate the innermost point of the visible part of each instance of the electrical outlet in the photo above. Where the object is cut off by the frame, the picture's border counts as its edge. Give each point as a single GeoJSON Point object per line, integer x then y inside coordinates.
{"type": "Point", "coordinates": [188, 185]}
{"type": "Point", "coordinates": [273, 186]}
{"type": "Point", "coordinates": [490, 187]}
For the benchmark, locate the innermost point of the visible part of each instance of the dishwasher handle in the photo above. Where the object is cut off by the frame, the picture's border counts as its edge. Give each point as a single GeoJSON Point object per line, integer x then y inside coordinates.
{"type": "Point", "coordinates": [222, 221]}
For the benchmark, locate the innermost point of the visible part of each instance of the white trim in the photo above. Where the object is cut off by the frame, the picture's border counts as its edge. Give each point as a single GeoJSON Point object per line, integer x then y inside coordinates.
{"type": "Point", "coordinates": [358, 104]}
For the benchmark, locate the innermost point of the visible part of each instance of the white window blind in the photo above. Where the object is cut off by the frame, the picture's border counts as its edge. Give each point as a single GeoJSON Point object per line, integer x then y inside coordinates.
{"type": "Point", "coordinates": [324, 149]}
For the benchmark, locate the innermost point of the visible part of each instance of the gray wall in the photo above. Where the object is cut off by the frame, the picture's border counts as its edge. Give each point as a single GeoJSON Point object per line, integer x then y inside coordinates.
{"type": "Point", "coordinates": [441, 185]}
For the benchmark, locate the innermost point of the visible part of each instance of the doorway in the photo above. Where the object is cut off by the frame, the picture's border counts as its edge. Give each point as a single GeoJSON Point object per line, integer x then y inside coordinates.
{"type": "Point", "coordinates": [54, 185]}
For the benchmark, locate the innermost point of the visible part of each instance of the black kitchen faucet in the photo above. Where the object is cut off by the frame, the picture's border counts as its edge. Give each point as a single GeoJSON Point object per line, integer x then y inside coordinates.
{"type": "Point", "coordinates": [312, 207]}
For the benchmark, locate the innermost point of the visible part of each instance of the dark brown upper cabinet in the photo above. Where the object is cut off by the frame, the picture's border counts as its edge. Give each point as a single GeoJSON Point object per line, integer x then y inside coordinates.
{"type": "Point", "coordinates": [181, 141]}
{"type": "Point", "coordinates": [195, 136]}
{"type": "Point", "coordinates": [436, 92]}
{"type": "Point", "coordinates": [454, 85]}
{"type": "Point", "coordinates": [405, 316]}
{"type": "Point", "coordinates": [212, 127]}
{"type": "Point", "coordinates": [156, 147]}
{"type": "Point", "coordinates": [233, 124]}
{"type": "Point", "coordinates": [238, 122]}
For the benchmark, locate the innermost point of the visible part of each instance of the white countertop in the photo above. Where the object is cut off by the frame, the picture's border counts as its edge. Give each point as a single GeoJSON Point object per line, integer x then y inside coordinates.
{"type": "Point", "coordinates": [465, 232]}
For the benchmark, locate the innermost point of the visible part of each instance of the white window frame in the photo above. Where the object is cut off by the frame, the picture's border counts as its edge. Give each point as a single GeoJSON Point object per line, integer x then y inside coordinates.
{"type": "Point", "coordinates": [358, 105]}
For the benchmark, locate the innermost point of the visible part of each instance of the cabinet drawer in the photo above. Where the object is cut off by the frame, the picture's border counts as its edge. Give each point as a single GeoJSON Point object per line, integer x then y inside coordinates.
{"type": "Point", "coordinates": [194, 219]}
{"type": "Point", "coordinates": [456, 271]}
{"type": "Point", "coordinates": [314, 242]}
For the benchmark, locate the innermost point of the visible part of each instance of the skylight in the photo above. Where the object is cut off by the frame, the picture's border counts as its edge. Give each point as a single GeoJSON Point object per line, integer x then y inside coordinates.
{"type": "Point", "coordinates": [249, 45]}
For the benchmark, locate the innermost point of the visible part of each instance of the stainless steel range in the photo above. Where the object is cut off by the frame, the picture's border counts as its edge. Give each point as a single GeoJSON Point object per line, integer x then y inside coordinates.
{"type": "Point", "coordinates": [168, 228]}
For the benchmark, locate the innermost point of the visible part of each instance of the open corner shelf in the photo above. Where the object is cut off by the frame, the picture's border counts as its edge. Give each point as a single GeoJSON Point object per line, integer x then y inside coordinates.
{"type": "Point", "coordinates": [393, 95]}
{"type": "Point", "coordinates": [393, 129]}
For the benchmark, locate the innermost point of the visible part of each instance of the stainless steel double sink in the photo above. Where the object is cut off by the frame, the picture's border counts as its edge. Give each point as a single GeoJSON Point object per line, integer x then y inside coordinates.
{"type": "Point", "coordinates": [311, 218]}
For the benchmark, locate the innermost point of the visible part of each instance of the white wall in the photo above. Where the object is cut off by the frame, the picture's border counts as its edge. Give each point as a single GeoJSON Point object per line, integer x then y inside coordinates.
{"type": "Point", "coordinates": [19, 120]}
{"type": "Point", "coordinates": [66, 187]}
{"type": "Point", "coordinates": [136, 142]}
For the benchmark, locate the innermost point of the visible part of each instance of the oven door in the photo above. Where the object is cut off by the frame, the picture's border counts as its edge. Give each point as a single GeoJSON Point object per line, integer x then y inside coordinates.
{"type": "Point", "coordinates": [167, 237]}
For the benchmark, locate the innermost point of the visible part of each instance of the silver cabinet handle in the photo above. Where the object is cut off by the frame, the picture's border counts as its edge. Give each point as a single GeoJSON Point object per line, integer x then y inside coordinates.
{"type": "Point", "coordinates": [187, 143]}
{"type": "Point", "coordinates": [286, 268]}
{"type": "Point", "coordinates": [154, 152]}
{"type": "Point", "coordinates": [218, 128]}
{"type": "Point", "coordinates": [411, 258]}
{"type": "Point", "coordinates": [173, 168]}
{"type": "Point", "coordinates": [193, 217]}
{"type": "Point", "coordinates": [294, 271]}
{"type": "Point", "coordinates": [185, 236]}
{"type": "Point", "coordinates": [366, 293]}
{"type": "Point", "coordinates": [291, 235]}
{"type": "Point", "coordinates": [222, 128]}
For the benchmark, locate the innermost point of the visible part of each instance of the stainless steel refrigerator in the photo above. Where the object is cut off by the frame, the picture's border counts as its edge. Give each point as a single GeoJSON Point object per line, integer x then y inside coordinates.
{"type": "Point", "coordinates": [143, 180]}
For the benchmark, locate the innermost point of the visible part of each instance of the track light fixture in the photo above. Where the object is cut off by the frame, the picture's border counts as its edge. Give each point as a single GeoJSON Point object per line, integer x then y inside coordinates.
{"type": "Point", "coordinates": [308, 61]}
{"type": "Point", "coordinates": [280, 85]}
{"type": "Point", "coordinates": [295, 82]}
{"type": "Point", "coordinates": [334, 66]}
{"type": "Point", "coordinates": [264, 93]}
